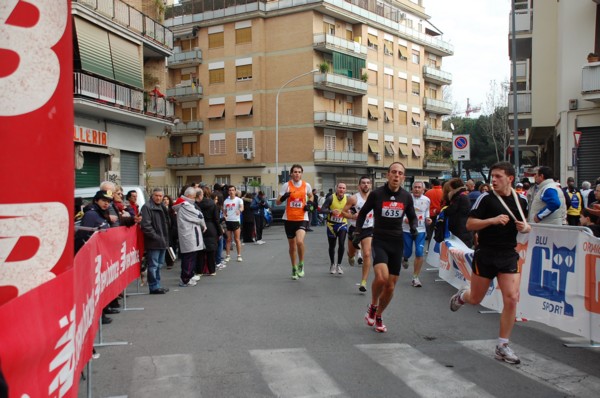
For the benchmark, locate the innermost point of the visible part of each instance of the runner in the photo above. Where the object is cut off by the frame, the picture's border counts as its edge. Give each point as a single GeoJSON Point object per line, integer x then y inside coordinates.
{"type": "Point", "coordinates": [390, 203]}
{"type": "Point", "coordinates": [421, 203]}
{"type": "Point", "coordinates": [353, 206]}
{"type": "Point", "coordinates": [295, 216]}
{"type": "Point", "coordinates": [497, 217]}
{"type": "Point", "coordinates": [233, 206]}
{"type": "Point", "coordinates": [337, 226]}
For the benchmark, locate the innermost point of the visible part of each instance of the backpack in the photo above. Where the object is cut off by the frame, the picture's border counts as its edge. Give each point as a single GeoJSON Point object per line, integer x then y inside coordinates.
{"type": "Point", "coordinates": [440, 229]}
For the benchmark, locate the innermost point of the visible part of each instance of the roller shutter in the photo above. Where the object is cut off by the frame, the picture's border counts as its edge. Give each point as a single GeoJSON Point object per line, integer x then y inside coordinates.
{"type": "Point", "coordinates": [588, 167]}
{"type": "Point", "coordinates": [89, 174]}
{"type": "Point", "coordinates": [130, 168]}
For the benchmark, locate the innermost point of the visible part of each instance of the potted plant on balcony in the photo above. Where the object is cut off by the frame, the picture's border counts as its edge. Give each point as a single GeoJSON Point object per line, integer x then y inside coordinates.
{"type": "Point", "coordinates": [364, 77]}
{"type": "Point", "coordinates": [593, 57]}
{"type": "Point", "coordinates": [323, 67]}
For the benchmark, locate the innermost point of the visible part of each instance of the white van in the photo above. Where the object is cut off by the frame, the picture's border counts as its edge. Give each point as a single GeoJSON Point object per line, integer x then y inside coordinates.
{"type": "Point", "coordinates": [88, 194]}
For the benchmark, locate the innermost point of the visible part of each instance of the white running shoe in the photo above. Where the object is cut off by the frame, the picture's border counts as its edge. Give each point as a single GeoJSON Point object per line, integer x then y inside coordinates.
{"type": "Point", "coordinates": [416, 282]}
{"type": "Point", "coordinates": [196, 277]}
{"type": "Point", "coordinates": [227, 258]}
{"type": "Point", "coordinates": [332, 269]}
{"type": "Point", "coordinates": [340, 270]}
{"type": "Point", "coordinates": [506, 354]}
{"type": "Point", "coordinates": [239, 259]}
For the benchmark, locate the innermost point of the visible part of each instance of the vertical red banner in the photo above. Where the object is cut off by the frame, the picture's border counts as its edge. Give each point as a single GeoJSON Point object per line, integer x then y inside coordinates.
{"type": "Point", "coordinates": [36, 151]}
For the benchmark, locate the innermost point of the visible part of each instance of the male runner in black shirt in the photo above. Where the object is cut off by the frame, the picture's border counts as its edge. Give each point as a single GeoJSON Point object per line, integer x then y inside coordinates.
{"type": "Point", "coordinates": [390, 203]}
{"type": "Point", "coordinates": [497, 218]}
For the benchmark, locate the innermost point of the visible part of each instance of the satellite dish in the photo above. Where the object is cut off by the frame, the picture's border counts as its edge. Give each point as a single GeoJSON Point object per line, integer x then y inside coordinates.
{"type": "Point", "coordinates": [452, 126]}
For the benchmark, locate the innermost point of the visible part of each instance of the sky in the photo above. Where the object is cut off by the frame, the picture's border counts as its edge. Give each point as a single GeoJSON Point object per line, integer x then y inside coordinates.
{"type": "Point", "coordinates": [478, 29]}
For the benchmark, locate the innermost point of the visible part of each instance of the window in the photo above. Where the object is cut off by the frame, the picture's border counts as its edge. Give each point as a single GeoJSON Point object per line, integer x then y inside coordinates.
{"type": "Point", "coordinates": [350, 144]}
{"type": "Point", "coordinates": [416, 56]}
{"type": "Point", "coordinates": [431, 122]}
{"type": "Point", "coordinates": [388, 115]}
{"type": "Point", "coordinates": [253, 179]}
{"type": "Point", "coordinates": [402, 85]}
{"type": "Point", "coordinates": [330, 143]}
{"type": "Point", "coordinates": [222, 180]}
{"type": "Point", "coordinates": [372, 42]}
{"type": "Point", "coordinates": [186, 44]}
{"type": "Point", "coordinates": [402, 118]}
{"type": "Point", "coordinates": [188, 114]}
{"type": "Point", "coordinates": [216, 147]}
{"type": "Point", "coordinates": [243, 145]}
{"type": "Point", "coordinates": [403, 53]}
{"type": "Point", "coordinates": [188, 79]}
{"type": "Point", "coordinates": [216, 111]}
{"type": "Point", "coordinates": [388, 81]}
{"type": "Point", "coordinates": [349, 35]}
{"type": "Point", "coordinates": [243, 108]}
{"type": "Point", "coordinates": [216, 76]}
{"type": "Point", "coordinates": [416, 122]}
{"type": "Point", "coordinates": [372, 77]}
{"type": "Point", "coordinates": [349, 108]}
{"type": "Point", "coordinates": [432, 92]}
{"type": "Point", "coordinates": [388, 47]}
{"type": "Point", "coordinates": [216, 40]}
{"type": "Point", "coordinates": [389, 149]}
{"type": "Point", "coordinates": [243, 35]}
{"type": "Point", "coordinates": [329, 28]}
{"type": "Point", "coordinates": [243, 72]}
{"type": "Point", "coordinates": [373, 112]}
{"type": "Point", "coordinates": [416, 88]}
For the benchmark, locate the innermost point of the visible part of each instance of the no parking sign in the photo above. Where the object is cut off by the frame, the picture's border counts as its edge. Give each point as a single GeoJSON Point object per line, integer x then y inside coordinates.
{"type": "Point", "coordinates": [461, 147]}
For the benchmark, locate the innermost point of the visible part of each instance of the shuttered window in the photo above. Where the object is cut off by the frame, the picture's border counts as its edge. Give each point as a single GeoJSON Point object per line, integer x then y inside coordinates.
{"type": "Point", "coordinates": [216, 40]}
{"type": "Point", "coordinates": [216, 76]}
{"type": "Point", "coordinates": [402, 118]}
{"type": "Point", "coordinates": [127, 61]}
{"type": "Point", "coordinates": [216, 147]}
{"type": "Point", "coordinates": [243, 72]}
{"type": "Point", "coordinates": [243, 35]}
{"type": "Point", "coordinates": [130, 168]}
{"type": "Point", "coordinates": [416, 88]}
{"type": "Point", "coordinates": [94, 49]}
{"type": "Point", "coordinates": [89, 174]}
{"type": "Point", "coordinates": [243, 145]}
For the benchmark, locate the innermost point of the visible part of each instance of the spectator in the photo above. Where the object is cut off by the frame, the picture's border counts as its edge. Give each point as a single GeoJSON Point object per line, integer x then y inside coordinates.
{"type": "Point", "coordinates": [483, 188]}
{"type": "Point", "coordinates": [589, 220]}
{"type": "Point", "coordinates": [212, 234]}
{"type": "Point", "coordinates": [435, 195]}
{"type": "Point", "coordinates": [458, 202]}
{"type": "Point", "coordinates": [217, 198]}
{"type": "Point", "coordinates": [576, 200]}
{"type": "Point", "coordinates": [548, 201]}
{"type": "Point", "coordinates": [248, 219]}
{"type": "Point", "coordinates": [155, 226]}
{"type": "Point", "coordinates": [190, 226]}
{"type": "Point", "coordinates": [592, 194]}
{"type": "Point", "coordinates": [473, 193]}
{"type": "Point", "coordinates": [259, 205]}
{"type": "Point", "coordinates": [314, 216]}
{"type": "Point", "coordinates": [173, 242]}
{"type": "Point", "coordinates": [586, 189]}
{"type": "Point", "coordinates": [132, 207]}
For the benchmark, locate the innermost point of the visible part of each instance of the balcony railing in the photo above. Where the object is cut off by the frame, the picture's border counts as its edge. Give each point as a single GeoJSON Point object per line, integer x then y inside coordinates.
{"type": "Point", "coordinates": [437, 135]}
{"type": "Point", "coordinates": [523, 102]}
{"type": "Point", "coordinates": [185, 161]}
{"type": "Point", "coordinates": [323, 41]}
{"type": "Point", "coordinates": [186, 93]}
{"type": "Point", "coordinates": [436, 164]}
{"type": "Point", "coordinates": [185, 59]}
{"type": "Point", "coordinates": [436, 75]}
{"type": "Point", "coordinates": [523, 21]}
{"type": "Point", "coordinates": [193, 126]}
{"type": "Point", "coordinates": [437, 106]}
{"type": "Point", "coordinates": [340, 84]}
{"type": "Point", "coordinates": [129, 17]}
{"type": "Point", "coordinates": [340, 120]}
{"type": "Point", "coordinates": [107, 92]}
{"type": "Point", "coordinates": [340, 157]}
{"type": "Point", "coordinates": [590, 82]}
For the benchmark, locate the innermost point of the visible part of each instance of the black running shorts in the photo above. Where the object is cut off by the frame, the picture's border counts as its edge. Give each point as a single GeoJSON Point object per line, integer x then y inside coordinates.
{"type": "Point", "coordinates": [232, 225]}
{"type": "Point", "coordinates": [364, 233]}
{"type": "Point", "coordinates": [292, 226]}
{"type": "Point", "coordinates": [488, 263]}
{"type": "Point", "coordinates": [388, 252]}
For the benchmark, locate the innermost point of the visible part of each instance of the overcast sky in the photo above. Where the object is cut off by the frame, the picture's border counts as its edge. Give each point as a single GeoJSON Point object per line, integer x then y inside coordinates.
{"type": "Point", "coordinates": [478, 29]}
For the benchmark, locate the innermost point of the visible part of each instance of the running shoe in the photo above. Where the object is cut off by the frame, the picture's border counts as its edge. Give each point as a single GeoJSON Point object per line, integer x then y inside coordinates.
{"type": "Point", "coordinates": [351, 261]}
{"type": "Point", "coordinates": [332, 269]}
{"type": "Point", "coordinates": [239, 259]}
{"type": "Point", "coordinates": [339, 269]}
{"type": "Point", "coordinates": [196, 277]}
{"type": "Point", "coordinates": [190, 283]}
{"type": "Point", "coordinates": [370, 315]}
{"type": "Point", "coordinates": [363, 286]}
{"type": "Point", "coordinates": [455, 301]}
{"type": "Point", "coordinates": [416, 282]}
{"type": "Point", "coordinates": [360, 260]}
{"type": "Point", "coordinates": [227, 258]}
{"type": "Point", "coordinates": [294, 273]}
{"type": "Point", "coordinates": [405, 263]}
{"type": "Point", "coordinates": [300, 272]}
{"type": "Point", "coordinates": [506, 354]}
{"type": "Point", "coordinates": [379, 326]}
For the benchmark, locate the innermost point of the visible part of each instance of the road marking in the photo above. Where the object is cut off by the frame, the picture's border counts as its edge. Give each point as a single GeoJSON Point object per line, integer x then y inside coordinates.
{"type": "Point", "coordinates": [543, 369]}
{"type": "Point", "coordinates": [162, 376]}
{"type": "Point", "coordinates": [424, 375]}
{"type": "Point", "coordinates": [293, 373]}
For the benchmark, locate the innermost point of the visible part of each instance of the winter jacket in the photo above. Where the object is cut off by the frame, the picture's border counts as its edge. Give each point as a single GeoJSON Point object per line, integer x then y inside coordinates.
{"type": "Point", "coordinates": [548, 204]}
{"type": "Point", "coordinates": [213, 225]}
{"type": "Point", "coordinates": [155, 226]}
{"type": "Point", "coordinates": [258, 205]}
{"type": "Point", "coordinates": [457, 212]}
{"type": "Point", "coordinates": [94, 217]}
{"type": "Point", "coordinates": [190, 224]}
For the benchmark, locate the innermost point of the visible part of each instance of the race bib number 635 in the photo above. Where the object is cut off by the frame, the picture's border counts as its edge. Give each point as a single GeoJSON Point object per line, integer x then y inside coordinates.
{"type": "Point", "coordinates": [392, 209]}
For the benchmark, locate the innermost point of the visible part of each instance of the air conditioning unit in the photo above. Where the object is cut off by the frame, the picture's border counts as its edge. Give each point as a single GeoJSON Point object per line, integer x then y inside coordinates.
{"type": "Point", "coordinates": [248, 155]}
{"type": "Point", "coordinates": [378, 156]}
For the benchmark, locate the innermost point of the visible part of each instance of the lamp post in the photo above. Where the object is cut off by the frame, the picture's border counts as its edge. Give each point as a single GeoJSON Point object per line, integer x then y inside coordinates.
{"type": "Point", "coordinates": [277, 119]}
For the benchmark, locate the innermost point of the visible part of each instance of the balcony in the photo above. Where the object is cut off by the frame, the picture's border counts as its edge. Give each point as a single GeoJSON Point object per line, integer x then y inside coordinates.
{"type": "Point", "coordinates": [340, 84]}
{"type": "Point", "coordinates": [332, 157]}
{"type": "Point", "coordinates": [105, 99]}
{"type": "Point", "coordinates": [523, 108]}
{"type": "Point", "coordinates": [181, 162]}
{"type": "Point", "coordinates": [439, 107]}
{"type": "Point", "coordinates": [590, 82]}
{"type": "Point", "coordinates": [436, 164]}
{"type": "Point", "coordinates": [184, 59]}
{"type": "Point", "coordinates": [329, 43]}
{"type": "Point", "coordinates": [185, 93]}
{"type": "Point", "coordinates": [431, 134]}
{"type": "Point", "coordinates": [436, 76]}
{"type": "Point", "coordinates": [523, 33]}
{"type": "Point", "coordinates": [186, 128]}
{"type": "Point", "coordinates": [340, 121]}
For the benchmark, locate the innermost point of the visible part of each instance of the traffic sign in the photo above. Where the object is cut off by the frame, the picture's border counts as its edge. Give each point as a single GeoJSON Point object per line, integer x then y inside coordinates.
{"type": "Point", "coordinates": [461, 147]}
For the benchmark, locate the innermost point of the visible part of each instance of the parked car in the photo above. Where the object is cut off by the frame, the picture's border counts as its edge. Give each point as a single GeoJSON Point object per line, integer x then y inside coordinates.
{"type": "Point", "coordinates": [87, 194]}
{"type": "Point", "coordinates": [276, 211]}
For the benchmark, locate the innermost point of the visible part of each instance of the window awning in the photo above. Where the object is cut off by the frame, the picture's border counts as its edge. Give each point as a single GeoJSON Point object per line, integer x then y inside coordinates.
{"type": "Point", "coordinates": [389, 149]}
{"type": "Point", "coordinates": [127, 63]}
{"type": "Point", "coordinates": [94, 49]}
{"type": "Point", "coordinates": [373, 112]}
{"type": "Point", "coordinates": [243, 108]}
{"type": "Point", "coordinates": [374, 146]}
{"type": "Point", "coordinates": [402, 52]}
{"type": "Point", "coordinates": [388, 116]}
{"type": "Point", "coordinates": [216, 111]}
{"type": "Point", "coordinates": [95, 149]}
{"type": "Point", "coordinates": [416, 151]}
{"type": "Point", "coordinates": [403, 149]}
{"type": "Point", "coordinates": [372, 39]}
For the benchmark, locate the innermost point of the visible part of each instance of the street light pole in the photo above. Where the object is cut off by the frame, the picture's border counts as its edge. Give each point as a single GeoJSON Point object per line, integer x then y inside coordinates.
{"type": "Point", "coordinates": [277, 120]}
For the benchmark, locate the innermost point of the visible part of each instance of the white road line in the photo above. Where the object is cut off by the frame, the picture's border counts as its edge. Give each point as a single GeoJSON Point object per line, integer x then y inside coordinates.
{"type": "Point", "coordinates": [424, 375]}
{"type": "Point", "coordinates": [293, 373]}
{"type": "Point", "coordinates": [165, 376]}
{"type": "Point", "coordinates": [544, 369]}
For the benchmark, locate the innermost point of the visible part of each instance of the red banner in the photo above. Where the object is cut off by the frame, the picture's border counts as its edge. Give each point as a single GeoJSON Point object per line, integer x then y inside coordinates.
{"type": "Point", "coordinates": [47, 334]}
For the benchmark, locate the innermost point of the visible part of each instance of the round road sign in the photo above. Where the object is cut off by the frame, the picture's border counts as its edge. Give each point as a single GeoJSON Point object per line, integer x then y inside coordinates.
{"type": "Point", "coordinates": [461, 142]}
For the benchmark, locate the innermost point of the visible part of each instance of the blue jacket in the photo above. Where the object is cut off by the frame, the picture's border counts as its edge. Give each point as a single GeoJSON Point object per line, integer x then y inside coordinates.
{"type": "Point", "coordinates": [258, 205]}
{"type": "Point", "coordinates": [95, 217]}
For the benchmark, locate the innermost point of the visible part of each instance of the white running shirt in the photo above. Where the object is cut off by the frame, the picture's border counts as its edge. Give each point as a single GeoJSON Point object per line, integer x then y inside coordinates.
{"type": "Point", "coordinates": [360, 202]}
{"type": "Point", "coordinates": [233, 208]}
{"type": "Point", "coordinates": [422, 205]}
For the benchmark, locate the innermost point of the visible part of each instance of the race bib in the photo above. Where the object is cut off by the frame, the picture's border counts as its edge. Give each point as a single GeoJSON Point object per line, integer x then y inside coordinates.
{"type": "Point", "coordinates": [421, 221]}
{"type": "Point", "coordinates": [392, 209]}
{"type": "Point", "coordinates": [296, 204]}
{"type": "Point", "coordinates": [336, 219]}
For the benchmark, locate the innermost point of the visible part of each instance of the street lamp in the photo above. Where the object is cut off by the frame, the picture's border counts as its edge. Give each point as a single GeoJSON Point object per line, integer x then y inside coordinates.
{"type": "Point", "coordinates": [277, 119]}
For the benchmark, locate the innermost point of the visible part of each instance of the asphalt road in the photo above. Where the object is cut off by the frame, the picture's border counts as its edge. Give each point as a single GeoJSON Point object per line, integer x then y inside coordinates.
{"type": "Point", "coordinates": [251, 331]}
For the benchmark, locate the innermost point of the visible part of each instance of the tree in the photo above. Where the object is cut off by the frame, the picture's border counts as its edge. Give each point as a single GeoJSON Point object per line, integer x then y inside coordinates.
{"type": "Point", "coordinates": [496, 125]}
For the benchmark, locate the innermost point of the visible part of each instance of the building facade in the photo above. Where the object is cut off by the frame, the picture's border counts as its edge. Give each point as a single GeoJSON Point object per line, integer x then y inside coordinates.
{"type": "Point", "coordinates": [116, 47]}
{"type": "Point", "coordinates": [343, 88]}
{"type": "Point", "coordinates": [558, 88]}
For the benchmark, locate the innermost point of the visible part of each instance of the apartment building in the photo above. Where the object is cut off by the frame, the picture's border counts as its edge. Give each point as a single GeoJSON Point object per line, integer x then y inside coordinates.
{"type": "Point", "coordinates": [558, 89]}
{"type": "Point", "coordinates": [116, 47]}
{"type": "Point", "coordinates": [343, 88]}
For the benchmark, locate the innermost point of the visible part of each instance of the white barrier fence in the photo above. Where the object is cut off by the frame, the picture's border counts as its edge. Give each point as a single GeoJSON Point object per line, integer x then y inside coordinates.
{"type": "Point", "coordinates": [560, 283]}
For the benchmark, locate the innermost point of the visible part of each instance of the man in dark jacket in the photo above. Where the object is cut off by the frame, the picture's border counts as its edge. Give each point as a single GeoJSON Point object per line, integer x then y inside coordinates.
{"type": "Point", "coordinates": [155, 226]}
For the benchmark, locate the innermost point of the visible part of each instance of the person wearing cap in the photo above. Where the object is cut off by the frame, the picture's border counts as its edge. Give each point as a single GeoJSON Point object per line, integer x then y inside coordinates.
{"type": "Point", "coordinates": [95, 217]}
{"type": "Point", "coordinates": [519, 189]}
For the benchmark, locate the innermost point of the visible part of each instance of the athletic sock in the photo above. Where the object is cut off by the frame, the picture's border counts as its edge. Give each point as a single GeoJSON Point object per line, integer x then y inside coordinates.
{"type": "Point", "coordinates": [502, 341]}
